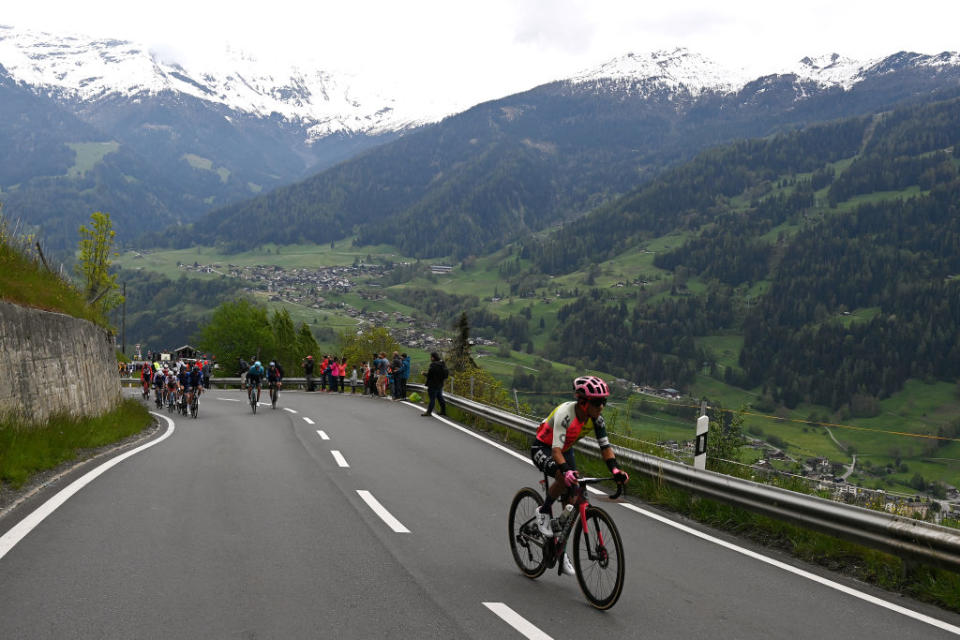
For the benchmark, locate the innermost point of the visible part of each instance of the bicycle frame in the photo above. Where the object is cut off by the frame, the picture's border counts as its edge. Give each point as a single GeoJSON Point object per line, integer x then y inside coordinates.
{"type": "Point", "coordinates": [581, 503]}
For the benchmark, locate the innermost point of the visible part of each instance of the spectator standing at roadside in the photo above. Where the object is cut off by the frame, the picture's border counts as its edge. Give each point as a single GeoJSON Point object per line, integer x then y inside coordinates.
{"type": "Point", "coordinates": [353, 380]}
{"type": "Point", "coordinates": [375, 373]}
{"type": "Point", "coordinates": [404, 375]}
{"type": "Point", "coordinates": [383, 375]}
{"type": "Point", "coordinates": [308, 371]}
{"type": "Point", "coordinates": [328, 374]}
{"type": "Point", "coordinates": [205, 370]}
{"type": "Point", "coordinates": [436, 374]}
{"type": "Point", "coordinates": [323, 372]}
{"type": "Point", "coordinates": [334, 374]}
{"type": "Point", "coordinates": [396, 365]}
{"type": "Point", "coordinates": [343, 372]}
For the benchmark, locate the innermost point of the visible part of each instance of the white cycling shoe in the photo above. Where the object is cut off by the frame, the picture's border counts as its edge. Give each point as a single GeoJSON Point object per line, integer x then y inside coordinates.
{"type": "Point", "coordinates": [568, 569]}
{"type": "Point", "coordinates": [543, 524]}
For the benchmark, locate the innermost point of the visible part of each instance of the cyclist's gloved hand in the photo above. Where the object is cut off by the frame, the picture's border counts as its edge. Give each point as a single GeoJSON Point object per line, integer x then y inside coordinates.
{"type": "Point", "coordinates": [570, 478]}
{"type": "Point", "coordinates": [620, 476]}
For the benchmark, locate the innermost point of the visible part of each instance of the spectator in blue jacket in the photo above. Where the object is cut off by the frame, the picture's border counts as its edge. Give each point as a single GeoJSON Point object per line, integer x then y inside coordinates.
{"type": "Point", "coordinates": [404, 374]}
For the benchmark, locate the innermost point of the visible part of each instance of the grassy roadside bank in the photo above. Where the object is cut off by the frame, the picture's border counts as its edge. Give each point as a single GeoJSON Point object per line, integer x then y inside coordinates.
{"type": "Point", "coordinates": [923, 583]}
{"type": "Point", "coordinates": [26, 449]}
{"type": "Point", "coordinates": [26, 281]}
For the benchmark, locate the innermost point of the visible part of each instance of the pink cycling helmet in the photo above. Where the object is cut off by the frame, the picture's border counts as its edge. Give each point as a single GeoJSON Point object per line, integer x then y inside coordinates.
{"type": "Point", "coordinates": [590, 387]}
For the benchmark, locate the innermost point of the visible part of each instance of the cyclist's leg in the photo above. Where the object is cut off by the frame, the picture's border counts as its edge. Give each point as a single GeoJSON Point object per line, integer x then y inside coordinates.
{"type": "Point", "coordinates": [542, 455]}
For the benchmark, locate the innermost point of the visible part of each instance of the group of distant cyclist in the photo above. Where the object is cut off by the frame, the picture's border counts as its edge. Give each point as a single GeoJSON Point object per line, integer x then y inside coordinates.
{"type": "Point", "coordinates": [177, 386]}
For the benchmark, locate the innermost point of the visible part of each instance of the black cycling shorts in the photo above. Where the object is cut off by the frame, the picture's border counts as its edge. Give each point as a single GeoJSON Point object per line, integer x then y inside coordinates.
{"type": "Point", "coordinates": [542, 455]}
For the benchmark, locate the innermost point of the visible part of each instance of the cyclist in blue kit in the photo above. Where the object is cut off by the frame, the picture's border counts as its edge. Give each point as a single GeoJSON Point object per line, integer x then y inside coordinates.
{"type": "Point", "coordinates": [255, 379]}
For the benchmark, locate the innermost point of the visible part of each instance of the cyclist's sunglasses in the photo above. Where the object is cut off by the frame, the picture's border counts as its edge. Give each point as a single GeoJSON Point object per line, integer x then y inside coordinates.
{"type": "Point", "coordinates": [598, 402]}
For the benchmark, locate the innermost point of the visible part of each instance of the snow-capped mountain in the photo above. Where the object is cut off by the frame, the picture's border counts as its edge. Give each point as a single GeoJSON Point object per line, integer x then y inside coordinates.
{"type": "Point", "coordinates": [681, 70]}
{"type": "Point", "coordinates": [674, 70]}
{"type": "Point", "coordinates": [326, 102]}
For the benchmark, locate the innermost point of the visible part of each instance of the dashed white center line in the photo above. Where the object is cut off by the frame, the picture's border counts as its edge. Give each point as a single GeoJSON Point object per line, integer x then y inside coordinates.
{"type": "Point", "coordinates": [323, 435]}
{"type": "Point", "coordinates": [341, 461]}
{"type": "Point", "coordinates": [289, 410]}
{"type": "Point", "coordinates": [308, 420]}
{"type": "Point", "coordinates": [228, 399]}
{"type": "Point", "coordinates": [516, 621]}
{"type": "Point", "coordinates": [385, 515]}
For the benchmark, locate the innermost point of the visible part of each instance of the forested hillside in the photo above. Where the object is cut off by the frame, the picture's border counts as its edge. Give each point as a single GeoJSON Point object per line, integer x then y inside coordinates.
{"type": "Point", "coordinates": [166, 313]}
{"type": "Point", "coordinates": [834, 251]}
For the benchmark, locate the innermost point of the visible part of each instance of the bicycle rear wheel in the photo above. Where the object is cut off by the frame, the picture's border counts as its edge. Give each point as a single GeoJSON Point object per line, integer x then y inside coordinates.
{"type": "Point", "coordinates": [526, 542]}
{"type": "Point", "coordinates": [273, 397]}
{"type": "Point", "coordinates": [598, 559]}
{"type": "Point", "coordinates": [253, 400]}
{"type": "Point", "coordinates": [194, 406]}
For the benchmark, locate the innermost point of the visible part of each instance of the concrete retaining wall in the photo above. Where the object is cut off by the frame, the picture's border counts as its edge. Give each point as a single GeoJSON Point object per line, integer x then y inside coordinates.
{"type": "Point", "coordinates": [50, 362]}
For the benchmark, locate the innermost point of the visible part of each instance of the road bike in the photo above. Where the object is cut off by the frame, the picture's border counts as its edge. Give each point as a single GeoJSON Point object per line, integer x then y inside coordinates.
{"type": "Point", "coordinates": [597, 553]}
{"type": "Point", "coordinates": [252, 393]}
{"type": "Point", "coordinates": [274, 393]}
{"type": "Point", "coordinates": [195, 403]}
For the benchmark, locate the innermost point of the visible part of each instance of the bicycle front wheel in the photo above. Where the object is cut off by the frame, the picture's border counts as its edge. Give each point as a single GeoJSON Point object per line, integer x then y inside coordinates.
{"type": "Point", "coordinates": [526, 542]}
{"type": "Point", "coordinates": [598, 559]}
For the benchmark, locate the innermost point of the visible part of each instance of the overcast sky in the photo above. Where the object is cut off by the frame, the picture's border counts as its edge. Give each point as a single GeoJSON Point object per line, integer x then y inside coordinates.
{"type": "Point", "coordinates": [490, 48]}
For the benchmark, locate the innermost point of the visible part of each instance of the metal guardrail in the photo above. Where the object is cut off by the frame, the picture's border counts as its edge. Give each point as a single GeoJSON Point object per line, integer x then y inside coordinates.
{"type": "Point", "coordinates": [914, 540]}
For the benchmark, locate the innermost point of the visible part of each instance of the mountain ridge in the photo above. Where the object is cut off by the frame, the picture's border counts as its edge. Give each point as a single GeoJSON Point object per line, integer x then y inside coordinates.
{"type": "Point", "coordinates": [191, 142]}
{"type": "Point", "coordinates": [549, 155]}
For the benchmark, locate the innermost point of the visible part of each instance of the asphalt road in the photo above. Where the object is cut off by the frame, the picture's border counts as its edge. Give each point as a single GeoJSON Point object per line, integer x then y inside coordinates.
{"type": "Point", "coordinates": [243, 526]}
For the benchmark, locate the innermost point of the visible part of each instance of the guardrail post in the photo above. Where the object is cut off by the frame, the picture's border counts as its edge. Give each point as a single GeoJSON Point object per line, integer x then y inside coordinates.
{"type": "Point", "coordinates": [700, 444]}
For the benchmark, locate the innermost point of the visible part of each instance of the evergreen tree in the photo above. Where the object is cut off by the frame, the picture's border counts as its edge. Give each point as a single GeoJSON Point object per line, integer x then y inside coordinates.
{"type": "Point", "coordinates": [458, 358]}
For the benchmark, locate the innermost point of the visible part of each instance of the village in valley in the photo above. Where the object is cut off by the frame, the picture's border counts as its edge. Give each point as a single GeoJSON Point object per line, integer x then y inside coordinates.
{"type": "Point", "coordinates": [314, 288]}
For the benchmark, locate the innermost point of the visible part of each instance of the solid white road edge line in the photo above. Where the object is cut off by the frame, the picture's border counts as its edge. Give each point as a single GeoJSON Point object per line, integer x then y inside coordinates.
{"type": "Point", "coordinates": [800, 572]}
{"type": "Point", "coordinates": [479, 437]}
{"type": "Point", "coordinates": [20, 530]}
{"type": "Point", "coordinates": [308, 420]}
{"type": "Point", "coordinates": [323, 435]}
{"type": "Point", "coordinates": [516, 621]}
{"type": "Point", "coordinates": [341, 461]}
{"type": "Point", "coordinates": [385, 515]}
